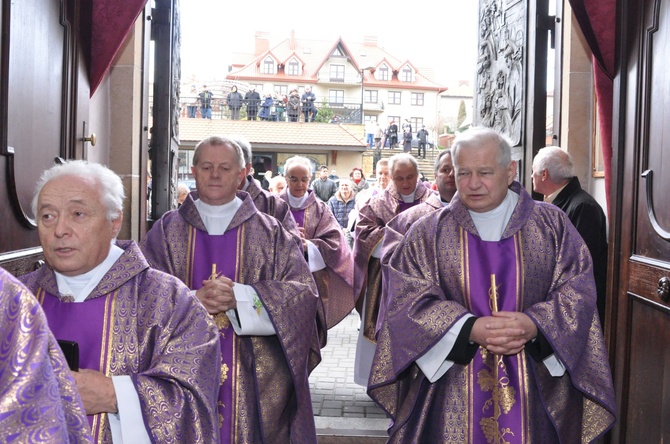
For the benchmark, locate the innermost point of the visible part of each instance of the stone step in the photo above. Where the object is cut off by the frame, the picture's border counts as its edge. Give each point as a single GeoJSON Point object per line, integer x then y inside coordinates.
{"type": "Point", "coordinates": [351, 430]}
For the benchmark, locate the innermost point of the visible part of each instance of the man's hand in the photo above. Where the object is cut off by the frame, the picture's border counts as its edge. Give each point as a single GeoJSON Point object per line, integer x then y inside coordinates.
{"type": "Point", "coordinates": [96, 391]}
{"type": "Point", "coordinates": [503, 333]}
{"type": "Point", "coordinates": [217, 295]}
{"type": "Point", "coordinates": [301, 231]}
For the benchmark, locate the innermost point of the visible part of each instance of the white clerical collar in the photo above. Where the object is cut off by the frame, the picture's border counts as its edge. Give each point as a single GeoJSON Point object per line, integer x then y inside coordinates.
{"type": "Point", "coordinates": [445, 203]}
{"type": "Point", "coordinates": [79, 287]}
{"type": "Point", "coordinates": [491, 224]}
{"type": "Point", "coordinates": [408, 198]}
{"type": "Point", "coordinates": [217, 217]}
{"type": "Point", "coordinates": [296, 202]}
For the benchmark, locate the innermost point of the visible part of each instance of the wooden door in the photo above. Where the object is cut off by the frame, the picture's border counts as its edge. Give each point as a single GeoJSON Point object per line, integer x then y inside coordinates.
{"type": "Point", "coordinates": [640, 260]}
{"type": "Point", "coordinates": [43, 102]}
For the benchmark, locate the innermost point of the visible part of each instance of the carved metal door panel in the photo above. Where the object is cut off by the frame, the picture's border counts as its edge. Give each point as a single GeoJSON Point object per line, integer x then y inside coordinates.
{"type": "Point", "coordinates": [641, 232]}
{"type": "Point", "coordinates": [40, 85]}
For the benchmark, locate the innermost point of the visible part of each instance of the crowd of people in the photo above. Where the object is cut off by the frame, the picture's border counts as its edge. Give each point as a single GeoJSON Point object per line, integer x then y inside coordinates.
{"type": "Point", "coordinates": [272, 107]}
{"type": "Point", "coordinates": [478, 305]}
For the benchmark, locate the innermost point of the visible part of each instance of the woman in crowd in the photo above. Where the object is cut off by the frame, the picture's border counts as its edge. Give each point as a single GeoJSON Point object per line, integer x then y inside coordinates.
{"type": "Point", "coordinates": [358, 179]}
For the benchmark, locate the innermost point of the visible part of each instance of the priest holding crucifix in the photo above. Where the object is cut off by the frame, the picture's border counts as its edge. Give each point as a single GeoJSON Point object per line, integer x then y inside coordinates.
{"type": "Point", "coordinates": [249, 273]}
{"type": "Point", "coordinates": [491, 332]}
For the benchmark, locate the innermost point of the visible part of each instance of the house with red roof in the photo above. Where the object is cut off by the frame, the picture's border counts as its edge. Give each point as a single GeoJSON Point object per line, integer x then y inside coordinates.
{"type": "Point", "coordinates": [354, 83]}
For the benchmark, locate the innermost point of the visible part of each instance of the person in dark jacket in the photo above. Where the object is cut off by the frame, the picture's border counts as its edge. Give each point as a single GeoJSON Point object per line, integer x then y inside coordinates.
{"type": "Point", "coordinates": [422, 137]}
{"type": "Point", "coordinates": [205, 100]}
{"type": "Point", "coordinates": [308, 107]}
{"type": "Point", "coordinates": [265, 112]}
{"type": "Point", "coordinates": [234, 101]}
{"type": "Point", "coordinates": [392, 134]}
{"type": "Point", "coordinates": [252, 99]}
{"type": "Point", "coordinates": [341, 205]}
{"type": "Point", "coordinates": [553, 176]}
{"type": "Point", "coordinates": [293, 106]}
{"type": "Point", "coordinates": [323, 187]}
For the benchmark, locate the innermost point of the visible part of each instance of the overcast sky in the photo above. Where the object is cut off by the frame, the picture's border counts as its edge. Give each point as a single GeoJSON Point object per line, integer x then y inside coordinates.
{"type": "Point", "coordinates": [430, 34]}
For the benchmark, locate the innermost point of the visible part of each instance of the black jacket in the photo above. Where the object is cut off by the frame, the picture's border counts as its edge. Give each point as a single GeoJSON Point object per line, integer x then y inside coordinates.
{"type": "Point", "coordinates": [588, 217]}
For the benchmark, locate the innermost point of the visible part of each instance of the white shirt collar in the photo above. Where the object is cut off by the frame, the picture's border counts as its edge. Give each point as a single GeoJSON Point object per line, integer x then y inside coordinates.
{"type": "Point", "coordinates": [296, 202]}
{"type": "Point", "coordinates": [491, 224]}
{"type": "Point", "coordinates": [217, 217]}
{"type": "Point", "coordinates": [81, 286]}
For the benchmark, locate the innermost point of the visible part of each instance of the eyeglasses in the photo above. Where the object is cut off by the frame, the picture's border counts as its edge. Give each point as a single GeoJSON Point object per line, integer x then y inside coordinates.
{"type": "Point", "coordinates": [294, 179]}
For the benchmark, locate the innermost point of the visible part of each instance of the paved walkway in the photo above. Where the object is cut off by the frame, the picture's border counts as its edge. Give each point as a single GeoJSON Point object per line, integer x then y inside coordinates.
{"type": "Point", "coordinates": [334, 393]}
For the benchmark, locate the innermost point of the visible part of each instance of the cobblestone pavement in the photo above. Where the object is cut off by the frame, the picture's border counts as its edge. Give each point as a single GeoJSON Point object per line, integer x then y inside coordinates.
{"type": "Point", "coordinates": [334, 393]}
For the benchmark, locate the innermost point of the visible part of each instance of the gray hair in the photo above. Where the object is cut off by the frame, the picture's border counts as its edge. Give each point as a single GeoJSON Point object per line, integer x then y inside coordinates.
{"type": "Point", "coordinates": [297, 160]}
{"type": "Point", "coordinates": [110, 186]}
{"type": "Point", "coordinates": [444, 152]}
{"type": "Point", "coordinates": [402, 159]}
{"type": "Point", "coordinates": [556, 161]}
{"type": "Point", "coordinates": [246, 148]}
{"type": "Point", "coordinates": [479, 136]}
{"type": "Point", "coordinates": [275, 180]}
{"type": "Point", "coordinates": [219, 141]}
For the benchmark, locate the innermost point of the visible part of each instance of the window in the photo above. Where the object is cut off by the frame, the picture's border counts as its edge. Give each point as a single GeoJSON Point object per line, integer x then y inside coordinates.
{"type": "Point", "coordinates": [371, 96]}
{"type": "Point", "coordinates": [337, 73]}
{"type": "Point", "coordinates": [416, 99]}
{"type": "Point", "coordinates": [268, 66]}
{"type": "Point", "coordinates": [281, 89]}
{"type": "Point", "coordinates": [336, 97]}
{"type": "Point", "coordinates": [258, 86]}
{"type": "Point", "coordinates": [406, 74]}
{"type": "Point", "coordinates": [293, 68]}
{"type": "Point", "coordinates": [394, 97]}
{"type": "Point", "coordinates": [395, 119]}
{"type": "Point", "coordinates": [382, 73]}
{"type": "Point", "coordinates": [416, 122]}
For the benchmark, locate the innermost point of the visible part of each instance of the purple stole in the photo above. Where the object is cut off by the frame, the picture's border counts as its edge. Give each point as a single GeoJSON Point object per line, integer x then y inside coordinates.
{"type": "Point", "coordinates": [206, 250]}
{"type": "Point", "coordinates": [402, 205]}
{"type": "Point", "coordinates": [299, 216]}
{"type": "Point", "coordinates": [88, 323]}
{"type": "Point", "coordinates": [496, 382]}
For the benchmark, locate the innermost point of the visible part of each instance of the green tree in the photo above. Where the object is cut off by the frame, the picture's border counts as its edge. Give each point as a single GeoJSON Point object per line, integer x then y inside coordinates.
{"type": "Point", "coordinates": [462, 114]}
{"type": "Point", "coordinates": [325, 113]}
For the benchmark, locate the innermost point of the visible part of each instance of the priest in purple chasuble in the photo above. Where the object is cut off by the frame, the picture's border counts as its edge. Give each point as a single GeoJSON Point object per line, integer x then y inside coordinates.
{"type": "Point", "coordinates": [249, 273]}
{"type": "Point", "coordinates": [491, 332]}
{"type": "Point", "coordinates": [149, 359]}
{"type": "Point", "coordinates": [404, 192]}
{"type": "Point", "coordinates": [324, 244]}
{"type": "Point", "coordinates": [39, 401]}
{"type": "Point", "coordinates": [265, 201]}
{"type": "Point", "coordinates": [398, 226]}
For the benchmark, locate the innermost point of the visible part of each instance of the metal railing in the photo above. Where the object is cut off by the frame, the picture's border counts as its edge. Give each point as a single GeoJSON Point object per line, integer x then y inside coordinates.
{"type": "Point", "coordinates": [326, 112]}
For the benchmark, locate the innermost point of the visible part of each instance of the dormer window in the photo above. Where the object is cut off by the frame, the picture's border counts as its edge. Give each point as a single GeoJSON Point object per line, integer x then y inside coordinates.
{"type": "Point", "coordinates": [382, 73]}
{"type": "Point", "coordinates": [406, 75]}
{"type": "Point", "coordinates": [336, 73]}
{"type": "Point", "coordinates": [268, 66]}
{"type": "Point", "coordinates": [293, 68]}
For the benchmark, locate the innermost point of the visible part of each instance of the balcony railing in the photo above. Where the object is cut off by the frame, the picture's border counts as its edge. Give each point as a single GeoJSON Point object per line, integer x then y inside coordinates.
{"type": "Point", "coordinates": [341, 112]}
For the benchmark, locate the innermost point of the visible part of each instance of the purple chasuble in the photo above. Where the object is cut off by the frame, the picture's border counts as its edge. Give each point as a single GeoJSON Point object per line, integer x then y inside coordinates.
{"type": "Point", "coordinates": [213, 250]}
{"type": "Point", "coordinates": [493, 282]}
{"type": "Point", "coordinates": [88, 323]}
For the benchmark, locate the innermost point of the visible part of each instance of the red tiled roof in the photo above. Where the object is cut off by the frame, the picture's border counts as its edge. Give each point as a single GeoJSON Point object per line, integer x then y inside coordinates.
{"type": "Point", "coordinates": [313, 53]}
{"type": "Point", "coordinates": [284, 136]}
